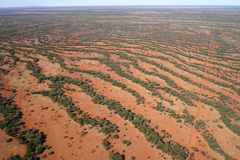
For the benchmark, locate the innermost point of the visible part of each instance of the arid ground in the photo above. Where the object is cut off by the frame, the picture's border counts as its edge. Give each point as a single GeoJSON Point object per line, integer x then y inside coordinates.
{"type": "Point", "coordinates": [97, 83]}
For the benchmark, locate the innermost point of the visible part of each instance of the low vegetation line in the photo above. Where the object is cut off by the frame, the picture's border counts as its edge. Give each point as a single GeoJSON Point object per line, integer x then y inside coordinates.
{"type": "Point", "coordinates": [172, 148]}
{"type": "Point", "coordinates": [13, 126]}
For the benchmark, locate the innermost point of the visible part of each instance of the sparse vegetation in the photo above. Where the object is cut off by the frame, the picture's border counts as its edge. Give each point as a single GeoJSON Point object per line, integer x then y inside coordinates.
{"type": "Point", "coordinates": [107, 74]}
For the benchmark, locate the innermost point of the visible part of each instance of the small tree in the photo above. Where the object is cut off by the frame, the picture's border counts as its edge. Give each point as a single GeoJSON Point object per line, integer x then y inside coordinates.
{"type": "Point", "coordinates": [116, 156]}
